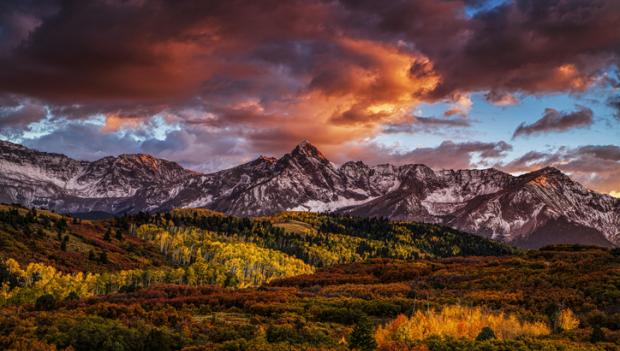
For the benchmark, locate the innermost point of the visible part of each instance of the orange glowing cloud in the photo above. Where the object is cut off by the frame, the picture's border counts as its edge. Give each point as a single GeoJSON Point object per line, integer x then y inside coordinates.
{"type": "Point", "coordinates": [376, 87]}
{"type": "Point", "coordinates": [114, 123]}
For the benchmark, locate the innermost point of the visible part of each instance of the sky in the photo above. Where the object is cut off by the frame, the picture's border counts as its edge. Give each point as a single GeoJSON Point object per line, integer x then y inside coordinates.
{"type": "Point", "coordinates": [515, 85]}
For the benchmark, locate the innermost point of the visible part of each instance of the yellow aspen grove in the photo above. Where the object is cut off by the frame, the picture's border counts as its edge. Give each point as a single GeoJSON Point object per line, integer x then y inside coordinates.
{"type": "Point", "coordinates": [455, 321]}
{"type": "Point", "coordinates": [567, 319]}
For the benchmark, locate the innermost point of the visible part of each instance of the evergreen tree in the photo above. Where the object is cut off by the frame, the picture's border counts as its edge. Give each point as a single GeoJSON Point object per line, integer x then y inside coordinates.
{"type": "Point", "coordinates": [63, 244]}
{"type": "Point", "coordinates": [61, 226]}
{"type": "Point", "coordinates": [486, 334]}
{"type": "Point", "coordinates": [597, 335]}
{"type": "Point", "coordinates": [72, 296]}
{"type": "Point", "coordinates": [108, 235]}
{"type": "Point", "coordinates": [119, 235]}
{"type": "Point", "coordinates": [362, 337]}
{"type": "Point", "coordinates": [231, 280]}
{"type": "Point", "coordinates": [45, 302]}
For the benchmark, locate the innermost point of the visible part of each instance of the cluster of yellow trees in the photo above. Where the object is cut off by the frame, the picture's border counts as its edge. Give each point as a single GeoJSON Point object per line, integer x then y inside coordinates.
{"type": "Point", "coordinates": [38, 279]}
{"type": "Point", "coordinates": [209, 260]}
{"type": "Point", "coordinates": [200, 256]}
{"type": "Point", "coordinates": [218, 263]}
{"type": "Point", "coordinates": [455, 321]}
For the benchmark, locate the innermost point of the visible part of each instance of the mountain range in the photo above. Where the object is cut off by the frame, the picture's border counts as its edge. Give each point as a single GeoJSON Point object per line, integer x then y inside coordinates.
{"type": "Point", "coordinates": [531, 210]}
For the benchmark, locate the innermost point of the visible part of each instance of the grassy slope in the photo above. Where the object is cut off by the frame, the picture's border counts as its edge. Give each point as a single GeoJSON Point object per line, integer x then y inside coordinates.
{"type": "Point", "coordinates": [38, 242]}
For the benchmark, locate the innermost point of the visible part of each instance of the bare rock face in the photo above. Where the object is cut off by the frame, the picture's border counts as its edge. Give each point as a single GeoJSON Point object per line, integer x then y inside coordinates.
{"type": "Point", "coordinates": [535, 209]}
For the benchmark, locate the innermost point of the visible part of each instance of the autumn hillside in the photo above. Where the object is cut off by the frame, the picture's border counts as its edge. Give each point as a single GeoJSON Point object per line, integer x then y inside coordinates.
{"type": "Point", "coordinates": [202, 280]}
{"type": "Point", "coordinates": [131, 242]}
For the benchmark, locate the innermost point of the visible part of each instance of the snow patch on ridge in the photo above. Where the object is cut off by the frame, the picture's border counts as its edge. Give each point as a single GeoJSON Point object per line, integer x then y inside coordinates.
{"type": "Point", "coordinates": [199, 202]}
{"type": "Point", "coordinates": [321, 206]}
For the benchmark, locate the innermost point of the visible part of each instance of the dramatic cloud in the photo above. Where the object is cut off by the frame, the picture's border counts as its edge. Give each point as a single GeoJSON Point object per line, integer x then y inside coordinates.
{"type": "Point", "coordinates": [556, 121]}
{"type": "Point", "coordinates": [448, 155]}
{"type": "Point", "coordinates": [196, 149]}
{"type": "Point", "coordinates": [229, 80]}
{"type": "Point", "coordinates": [427, 124]}
{"type": "Point", "coordinates": [16, 114]}
{"type": "Point", "coordinates": [596, 166]}
{"type": "Point", "coordinates": [501, 98]}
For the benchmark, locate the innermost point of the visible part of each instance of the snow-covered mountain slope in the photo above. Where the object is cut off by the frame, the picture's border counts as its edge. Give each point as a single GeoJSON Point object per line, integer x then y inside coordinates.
{"type": "Point", "coordinates": [57, 182]}
{"type": "Point", "coordinates": [531, 210]}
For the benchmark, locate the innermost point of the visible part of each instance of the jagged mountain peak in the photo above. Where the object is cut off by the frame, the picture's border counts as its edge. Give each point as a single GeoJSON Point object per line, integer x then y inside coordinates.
{"type": "Point", "coordinates": [306, 149]}
{"type": "Point", "coordinates": [545, 176]}
{"type": "Point", "coordinates": [353, 166]}
{"type": "Point", "coordinates": [547, 171]}
{"type": "Point", "coordinates": [260, 164]}
{"type": "Point", "coordinates": [137, 166]}
{"type": "Point", "coordinates": [146, 160]}
{"type": "Point", "coordinates": [138, 157]}
{"type": "Point", "coordinates": [418, 171]}
{"type": "Point", "coordinates": [488, 202]}
{"type": "Point", "coordinates": [267, 159]}
{"type": "Point", "coordinates": [11, 146]}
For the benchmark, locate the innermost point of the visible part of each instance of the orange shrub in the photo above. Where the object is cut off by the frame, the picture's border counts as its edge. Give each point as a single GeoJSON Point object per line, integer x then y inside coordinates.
{"type": "Point", "coordinates": [456, 321]}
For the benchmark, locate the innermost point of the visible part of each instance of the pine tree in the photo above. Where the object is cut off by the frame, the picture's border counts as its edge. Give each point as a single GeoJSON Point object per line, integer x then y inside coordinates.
{"type": "Point", "coordinates": [108, 235]}
{"type": "Point", "coordinates": [63, 244]}
{"type": "Point", "coordinates": [486, 334]}
{"type": "Point", "coordinates": [597, 335]}
{"type": "Point", "coordinates": [61, 226]}
{"type": "Point", "coordinates": [119, 235]}
{"type": "Point", "coordinates": [45, 302]}
{"type": "Point", "coordinates": [362, 337]}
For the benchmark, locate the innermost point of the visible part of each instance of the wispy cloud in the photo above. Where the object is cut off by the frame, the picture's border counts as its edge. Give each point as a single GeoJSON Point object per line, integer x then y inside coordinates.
{"type": "Point", "coordinates": [557, 121]}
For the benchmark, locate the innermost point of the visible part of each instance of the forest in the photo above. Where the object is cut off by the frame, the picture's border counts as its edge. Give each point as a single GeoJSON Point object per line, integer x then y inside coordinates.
{"type": "Point", "coordinates": [201, 280]}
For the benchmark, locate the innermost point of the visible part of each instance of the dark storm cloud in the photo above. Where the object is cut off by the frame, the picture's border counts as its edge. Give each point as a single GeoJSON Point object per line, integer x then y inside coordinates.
{"type": "Point", "coordinates": [522, 45]}
{"type": "Point", "coordinates": [556, 121]}
{"type": "Point", "coordinates": [164, 50]}
{"type": "Point", "coordinates": [248, 77]}
{"type": "Point", "coordinates": [21, 116]}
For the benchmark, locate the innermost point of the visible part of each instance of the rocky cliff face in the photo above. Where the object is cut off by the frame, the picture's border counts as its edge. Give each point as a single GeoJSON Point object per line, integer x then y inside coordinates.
{"type": "Point", "coordinates": [531, 210]}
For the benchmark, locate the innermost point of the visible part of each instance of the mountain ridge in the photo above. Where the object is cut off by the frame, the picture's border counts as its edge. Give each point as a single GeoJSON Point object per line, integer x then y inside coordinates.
{"type": "Point", "coordinates": [487, 202]}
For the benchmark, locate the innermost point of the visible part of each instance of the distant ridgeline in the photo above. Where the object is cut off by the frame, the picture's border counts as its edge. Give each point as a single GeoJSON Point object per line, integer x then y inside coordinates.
{"type": "Point", "coordinates": [536, 209]}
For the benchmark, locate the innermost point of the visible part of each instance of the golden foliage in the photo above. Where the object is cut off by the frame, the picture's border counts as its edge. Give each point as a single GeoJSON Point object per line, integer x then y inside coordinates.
{"type": "Point", "coordinates": [567, 320]}
{"type": "Point", "coordinates": [38, 279]}
{"type": "Point", "coordinates": [455, 321]}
